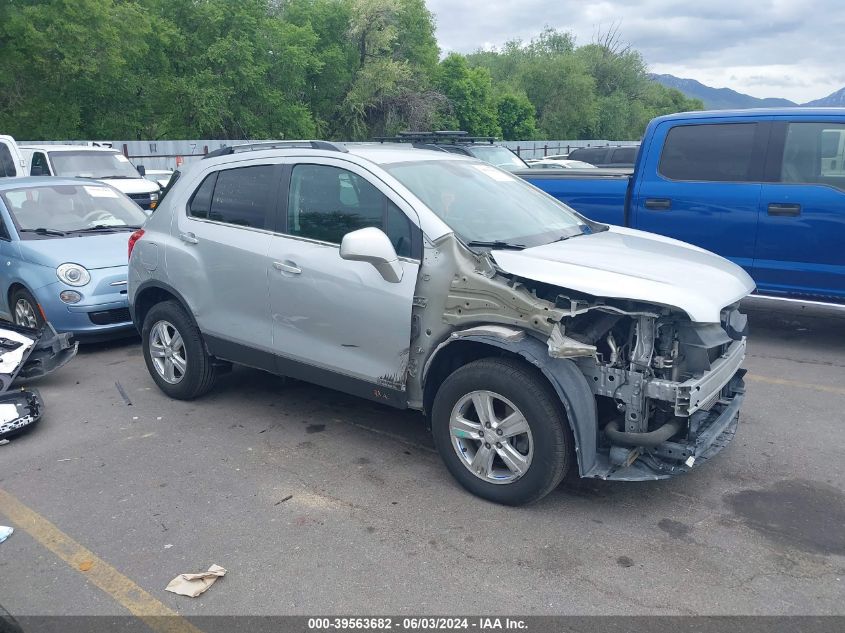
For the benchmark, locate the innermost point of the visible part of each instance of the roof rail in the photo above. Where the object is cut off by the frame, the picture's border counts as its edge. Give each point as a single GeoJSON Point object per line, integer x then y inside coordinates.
{"type": "Point", "coordinates": [254, 147]}
{"type": "Point", "coordinates": [446, 137]}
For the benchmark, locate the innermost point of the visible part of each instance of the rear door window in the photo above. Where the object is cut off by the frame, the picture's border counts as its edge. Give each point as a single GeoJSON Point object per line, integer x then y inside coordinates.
{"type": "Point", "coordinates": [814, 153]}
{"type": "Point", "coordinates": [244, 196]}
{"type": "Point", "coordinates": [592, 155]}
{"type": "Point", "coordinates": [720, 152]}
{"type": "Point", "coordinates": [625, 155]}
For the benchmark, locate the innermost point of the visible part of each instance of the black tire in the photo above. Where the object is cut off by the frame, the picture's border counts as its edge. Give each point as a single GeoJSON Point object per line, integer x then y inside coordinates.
{"type": "Point", "coordinates": [199, 374]}
{"type": "Point", "coordinates": [531, 393]}
{"type": "Point", "coordinates": [22, 294]}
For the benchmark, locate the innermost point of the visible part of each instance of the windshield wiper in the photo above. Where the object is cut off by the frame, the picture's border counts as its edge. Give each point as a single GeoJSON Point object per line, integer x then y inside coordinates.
{"type": "Point", "coordinates": [115, 177]}
{"type": "Point", "coordinates": [495, 244]}
{"type": "Point", "coordinates": [105, 228]}
{"type": "Point", "coordinates": [43, 231]}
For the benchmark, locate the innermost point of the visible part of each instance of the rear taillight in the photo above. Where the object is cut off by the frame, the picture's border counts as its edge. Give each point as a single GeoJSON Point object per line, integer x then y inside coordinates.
{"type": "Point", "coordinates": [137, 235]}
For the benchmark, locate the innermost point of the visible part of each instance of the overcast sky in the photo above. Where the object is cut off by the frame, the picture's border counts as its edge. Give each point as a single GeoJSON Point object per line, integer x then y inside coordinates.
{"type": "Point", "coordinates": [767, 48]}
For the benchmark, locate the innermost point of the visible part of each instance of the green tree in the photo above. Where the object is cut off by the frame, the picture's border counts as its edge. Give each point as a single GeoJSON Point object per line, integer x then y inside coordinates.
{"type": "Point", "coordinates": [470, 93]}
{"type": "Point", "coordinates": [516, 117]}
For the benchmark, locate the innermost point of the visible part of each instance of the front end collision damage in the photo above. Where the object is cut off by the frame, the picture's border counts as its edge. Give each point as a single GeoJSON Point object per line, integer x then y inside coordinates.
{"type": "Point", "coordinates": [28, 354]}
{"type": "Point", "coordinates": [647, 392]}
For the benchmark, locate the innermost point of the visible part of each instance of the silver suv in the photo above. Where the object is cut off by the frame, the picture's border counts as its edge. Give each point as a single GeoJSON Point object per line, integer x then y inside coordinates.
{"type": "Point", "coordinates": [535, 339]}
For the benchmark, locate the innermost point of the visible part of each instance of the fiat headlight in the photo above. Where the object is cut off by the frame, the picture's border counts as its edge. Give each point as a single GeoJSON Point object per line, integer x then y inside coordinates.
{"type": "Point", "coordinates": [73, 274]}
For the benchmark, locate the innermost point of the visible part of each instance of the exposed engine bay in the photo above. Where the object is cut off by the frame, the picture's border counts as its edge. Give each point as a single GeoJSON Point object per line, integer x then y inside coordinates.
{"type": "Point", "coordinates": [666, 389]}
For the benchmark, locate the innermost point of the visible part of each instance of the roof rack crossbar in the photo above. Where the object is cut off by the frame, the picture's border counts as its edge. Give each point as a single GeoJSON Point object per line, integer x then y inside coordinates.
{"type": "Point", "coordinates": [254, 147]}
{"type": "Point", "coordinates": [433, 138]}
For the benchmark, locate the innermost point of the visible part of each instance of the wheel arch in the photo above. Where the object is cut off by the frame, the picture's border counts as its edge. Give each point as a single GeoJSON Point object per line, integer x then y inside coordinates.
{"type": "Point", "coordinates": [149, 294]}
{"type": "Point", "coordinates": [566, 379]}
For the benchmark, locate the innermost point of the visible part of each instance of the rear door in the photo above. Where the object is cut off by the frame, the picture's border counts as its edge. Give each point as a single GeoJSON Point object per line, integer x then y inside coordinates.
{"type": "Point", "coordinates": [220, 261]}
{"type": "Point", "coordinates": [337, 322]}
{"type": "Point", "coordinates": [801, 244]}
{"type": "Point", "coordinates": [701, 184]}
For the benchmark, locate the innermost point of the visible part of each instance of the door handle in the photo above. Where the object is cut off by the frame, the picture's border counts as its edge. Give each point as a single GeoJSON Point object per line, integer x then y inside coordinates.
{"type": "Point", "coordinates": [287, 267]}
{"type": "Point", "coordinates": [189, 238]}
{"type": "Point", "coordinates": [783, 209]}
{"type": "Point", "coordinates": [658, 204]}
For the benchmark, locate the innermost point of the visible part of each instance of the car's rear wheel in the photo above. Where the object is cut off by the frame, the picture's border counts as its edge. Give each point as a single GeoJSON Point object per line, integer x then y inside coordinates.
{"type": "Point", "coordinates": [175, 353]}
{"type": "Point", "coordinates": [501, 431]}
{"type": "Point", "coordinates": [25, 310]}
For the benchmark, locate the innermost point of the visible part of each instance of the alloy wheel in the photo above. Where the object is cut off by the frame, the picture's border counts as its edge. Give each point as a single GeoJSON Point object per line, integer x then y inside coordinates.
{"type": "Point", "coordinates": [491, 437]}
{"type": "Point", "coordinates": [167, 351]}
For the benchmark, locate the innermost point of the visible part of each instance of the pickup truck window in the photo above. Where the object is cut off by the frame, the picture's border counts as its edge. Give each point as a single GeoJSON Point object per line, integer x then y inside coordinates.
{"type": "Point", "coordinates": [814, 153]}
{"type": "Point", "coordinates": [39, 165]}
{"type": "Point", "coordinates": [7, 163]}
{"type": "Point", "coordinates": [719, 152]}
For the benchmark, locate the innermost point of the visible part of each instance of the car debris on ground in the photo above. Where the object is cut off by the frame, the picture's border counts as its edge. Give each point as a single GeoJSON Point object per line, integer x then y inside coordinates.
{"type": "Point", "coordinates": [27, 354]}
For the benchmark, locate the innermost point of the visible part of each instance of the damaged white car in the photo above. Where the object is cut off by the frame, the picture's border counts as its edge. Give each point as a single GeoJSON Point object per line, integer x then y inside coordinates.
{"type": "Point", "coordinates": [26, 354]}
{"type": "Point", "coordinates": [535, 340]}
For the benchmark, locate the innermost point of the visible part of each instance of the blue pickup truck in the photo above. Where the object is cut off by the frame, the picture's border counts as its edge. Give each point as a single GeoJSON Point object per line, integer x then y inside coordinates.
{"type": "Point", "coordinates": [763, 188]}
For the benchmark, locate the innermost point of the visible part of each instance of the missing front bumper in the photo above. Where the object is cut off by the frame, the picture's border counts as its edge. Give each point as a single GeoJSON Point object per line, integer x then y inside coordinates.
{"type": "Point", "coordinates": [709, 432]}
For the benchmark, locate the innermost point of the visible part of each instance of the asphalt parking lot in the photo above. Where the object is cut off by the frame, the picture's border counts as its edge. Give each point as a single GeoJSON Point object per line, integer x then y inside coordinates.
{"type": "Point", "coordinates": [317, 502]}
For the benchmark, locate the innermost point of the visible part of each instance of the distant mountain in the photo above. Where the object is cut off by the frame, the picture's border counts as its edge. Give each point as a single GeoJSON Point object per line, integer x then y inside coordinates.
{"type": "Point", "coordinates": [723, 98]}
{"type": "Point", "coordinates": [837, 99]}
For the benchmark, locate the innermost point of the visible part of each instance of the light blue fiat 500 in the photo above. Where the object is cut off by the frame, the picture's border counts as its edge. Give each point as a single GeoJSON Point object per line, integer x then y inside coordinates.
{"type": "Point", "coordinates": [63, 255]}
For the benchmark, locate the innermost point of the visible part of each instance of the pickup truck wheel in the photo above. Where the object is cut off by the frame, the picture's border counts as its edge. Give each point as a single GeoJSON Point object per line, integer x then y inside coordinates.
{"type": "Point", "coordinates": [175, 353]}
{"type": "Point", "coordinates": [501, 431]}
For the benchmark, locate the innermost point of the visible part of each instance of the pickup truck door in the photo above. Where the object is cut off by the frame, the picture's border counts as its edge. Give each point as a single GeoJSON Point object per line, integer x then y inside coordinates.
{"type": "Point", "coordinates": [700, 183]}
{"type": "Point", "coordinates": [336, 322]}
{"type": "Point", "coordinates": [801, 241]}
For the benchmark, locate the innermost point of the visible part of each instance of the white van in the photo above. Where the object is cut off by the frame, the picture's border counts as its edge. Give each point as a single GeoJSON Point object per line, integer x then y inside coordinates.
{"type": "Point", "coordinates": [11, 161]}
{"type": "Point", "coordinates": [86, 161]}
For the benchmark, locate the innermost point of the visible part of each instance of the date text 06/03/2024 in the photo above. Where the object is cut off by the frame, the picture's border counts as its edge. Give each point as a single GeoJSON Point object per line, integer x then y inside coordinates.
{"type": "Point", "coordinates": [481, 624]}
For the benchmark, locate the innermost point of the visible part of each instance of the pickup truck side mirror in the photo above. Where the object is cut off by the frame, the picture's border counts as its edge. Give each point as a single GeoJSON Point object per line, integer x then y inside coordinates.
{"type": "Point", "coordinates": [373, 246]}
{"type": "Point", "coordinates": [141, 170]}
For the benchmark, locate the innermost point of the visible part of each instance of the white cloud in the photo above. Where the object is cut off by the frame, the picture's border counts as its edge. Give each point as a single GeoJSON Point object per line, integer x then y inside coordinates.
{"type": "Point", "coordinates": [766, 48]}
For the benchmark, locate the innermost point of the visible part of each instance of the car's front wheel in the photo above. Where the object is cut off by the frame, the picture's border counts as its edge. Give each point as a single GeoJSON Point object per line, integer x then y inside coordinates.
{"type": "Point", "coordinates": [175, 353]}
{"type": "Point", "coordinates": [501, 431]}
{"type": "Point", "coordinates": [25, 310]}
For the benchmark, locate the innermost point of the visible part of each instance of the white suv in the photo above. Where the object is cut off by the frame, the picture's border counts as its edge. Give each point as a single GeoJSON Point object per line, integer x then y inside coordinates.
{"type": "Point", "coordinates": [535, 339]}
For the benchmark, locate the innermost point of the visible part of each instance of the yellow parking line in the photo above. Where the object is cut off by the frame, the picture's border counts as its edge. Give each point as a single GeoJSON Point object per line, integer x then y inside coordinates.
{"type": "Point", "coordinates": [794, 383]}
{"type": "Point", "coordinates": [137, 601]}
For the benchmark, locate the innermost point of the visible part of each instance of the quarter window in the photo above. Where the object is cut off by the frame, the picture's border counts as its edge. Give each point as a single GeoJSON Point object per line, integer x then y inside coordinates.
{"type": "Point", "coordinates": [327, 202]}
{"type": "Point", "coordinates": [814, 153]}
{"type": "Point", "coordinates": [719, 152]}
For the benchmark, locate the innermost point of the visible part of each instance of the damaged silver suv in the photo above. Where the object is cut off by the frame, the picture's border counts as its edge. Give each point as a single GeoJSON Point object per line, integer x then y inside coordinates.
{"type": "Point", "coordinates": [535, 339]}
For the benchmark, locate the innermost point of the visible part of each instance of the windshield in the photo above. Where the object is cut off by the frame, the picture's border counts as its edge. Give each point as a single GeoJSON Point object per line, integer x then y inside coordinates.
{"type": "Point", "coordinates": [60, 209]}
{"type": "Point", "coordinates": [498, 156]}
{"type": "Point", "coordinates": [484, 204]}
{"type": "Point", "coordinates": [90, 164]}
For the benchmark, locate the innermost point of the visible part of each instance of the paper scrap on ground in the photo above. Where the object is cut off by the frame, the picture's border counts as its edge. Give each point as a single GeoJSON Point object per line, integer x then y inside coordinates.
{"type": "Point", "coordinates": [5, 532]}
{"type": "Point", "coordinates": [192, 585]}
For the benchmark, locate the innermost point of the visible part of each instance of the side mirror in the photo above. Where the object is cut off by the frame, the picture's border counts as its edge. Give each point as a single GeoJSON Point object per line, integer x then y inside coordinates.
{"type": "Point", "coordinates": [373, 246]}
{"type": "Point", "coordinates": [141, 170]}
